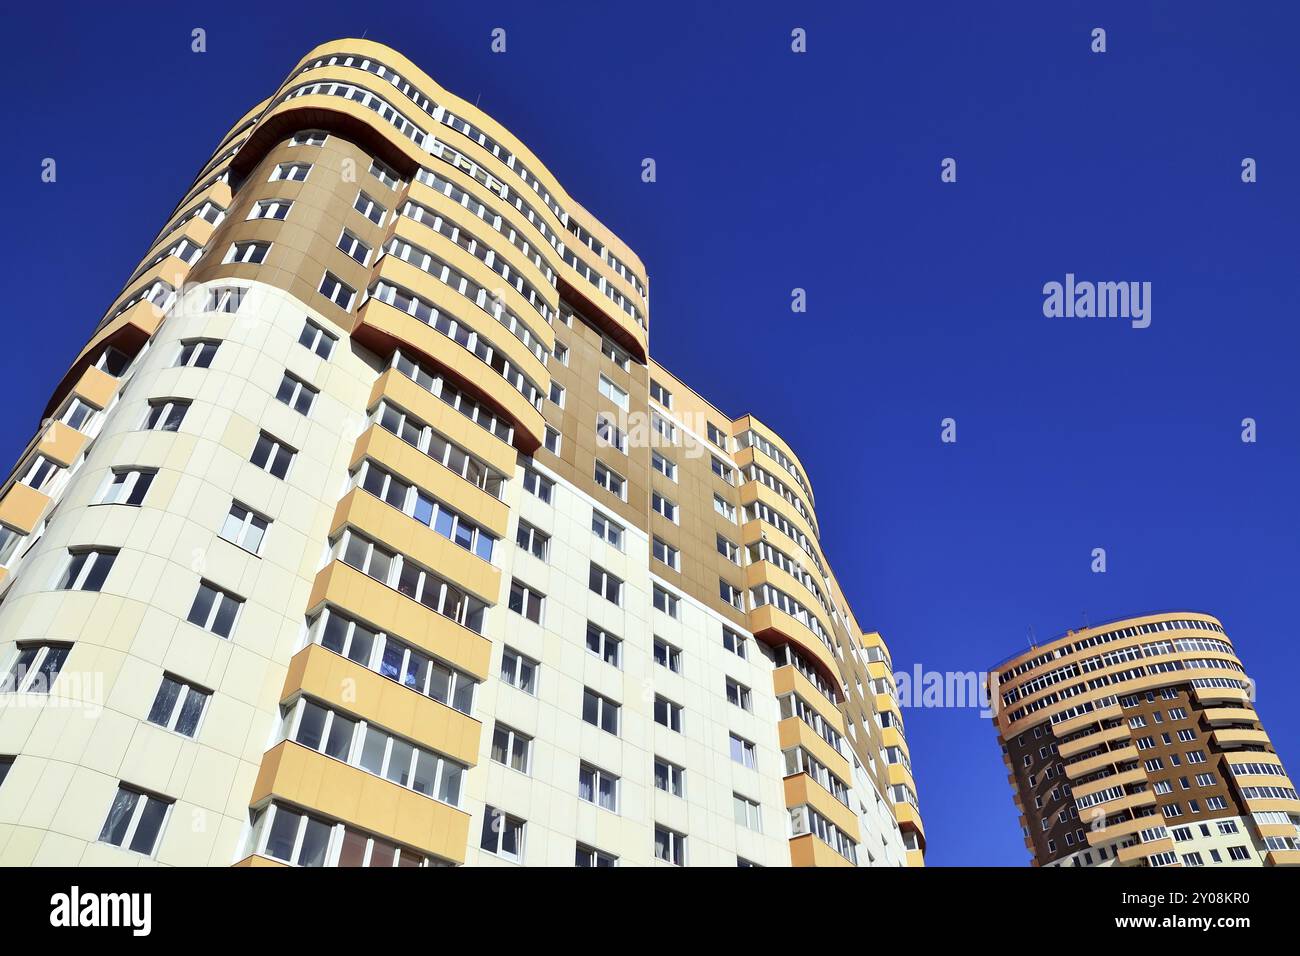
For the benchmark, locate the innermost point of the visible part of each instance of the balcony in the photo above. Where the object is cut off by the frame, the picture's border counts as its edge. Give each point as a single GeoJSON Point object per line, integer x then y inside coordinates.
{"type": "Point", "coordinates": [314, 781]}
{"type": "Point", "coordinates": [774, 627]}
{"type": "Point", "coordinates": [1233, 738]}
{"type": "Point", "coordinates": [1229, 715]}
{"type": "Point", "coordinates": [810, 850]}
{"type": "Point", "coordinates": [793, 732]}
{"type": "Point", "coordinates": [346, 685]}
{"type": "Point", "coordinates": [801, 789]}
{"type": "Point", "coordinates": [1107, 735]}
{"type": "Point", "coordinates": [440, 416]}
{"type": "Point", "coordinates": [393, 612]}
{"type": "Point", "coordinates": [1109, 759]}
{"type": "Point", "coordinates": [1140, 851]}
{"type": "Point", "coordinates": [383, 328]}
{"type": "Point", "coordinates": [1066, 727]}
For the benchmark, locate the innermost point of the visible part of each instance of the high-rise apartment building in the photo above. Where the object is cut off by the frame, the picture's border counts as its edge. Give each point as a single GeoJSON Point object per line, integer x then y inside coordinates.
{"type": "Point", "coordinates": [365, 531]}
{"type": "Point", "coordinates": [1135, 743]}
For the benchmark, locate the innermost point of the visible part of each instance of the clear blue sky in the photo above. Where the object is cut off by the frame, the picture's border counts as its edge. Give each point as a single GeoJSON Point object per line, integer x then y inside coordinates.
{"type": "Point", "coordinates": [822, 171]}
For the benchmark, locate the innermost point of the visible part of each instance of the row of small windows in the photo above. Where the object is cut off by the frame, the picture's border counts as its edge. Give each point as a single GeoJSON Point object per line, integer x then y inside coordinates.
{"type": "Point", "coordinates": [481, 251]}
{"type": "Point", "coordinates": [439, 114]}
{"type": "Point", "coordinates": [1106, 637]}
{"type": "Point", "coordinates": [468, 338]}
{"type": "Point", "coordinates": [432, 265]}
{"type": "Point", "coordinates": [455, 158]}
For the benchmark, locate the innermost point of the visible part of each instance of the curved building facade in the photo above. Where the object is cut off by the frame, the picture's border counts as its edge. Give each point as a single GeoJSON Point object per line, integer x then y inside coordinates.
{"type": "Point", "coordinates": [365, 531]}
{"type": "Point", "coordinates": [1135, 743]}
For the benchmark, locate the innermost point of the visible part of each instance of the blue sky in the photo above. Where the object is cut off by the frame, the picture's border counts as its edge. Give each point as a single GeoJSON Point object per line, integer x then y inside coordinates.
{"type": "Point", "coordinates": [821, 171]}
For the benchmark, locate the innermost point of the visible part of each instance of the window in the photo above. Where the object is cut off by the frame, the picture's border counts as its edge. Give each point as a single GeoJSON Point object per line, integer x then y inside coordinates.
{"type": "Point", "coordinates": [225, 299]}
{"type": "Point", "coordinates": [588, 856]}
{"type": "Point", "coordinates": [301, 840]}
{"type": "Point", "coordinates": [369, 208]}
{"type": "Point", "coordinates": [126, 487]}
{"type": "Point", "coordinates": [615, 354]}
{"type": "Point", "coordinates": [511, 748]}
{"type": "Point", "coordinates": [669, 777]}
{"type": "Point", "coordinates": [666, 553]}
{"type": "Point", "coordinates": [615, 394]}
{"type": "Point", "coordinates": [600, 711]}
{"type": "Point", "coordinates": [135, 821]}
{"type": "Point", "coordinates": [729, 549]}
{"type": "Point", "coordinates": [86, 570]}
{"type": "Point", "coordinates": [214, 610]}
{"type": "Point", "coordinates": [610, 435]}
{"type": "Point", "coordinates": [519, 671]}
{"type": "Point", "coordinates": [77, 413]}
{"type": "Point", "coordinates": [253, 253]}
{"type": "Point", "coordinates": [557, 394]}
{"type": "Point", "coordinates": [663, 506]}
{"type": "Point", "coordinates": [35, 668]}
{"type": "Point", "coordinates": [1238, 853]}
{"type": "Point", "coordinates": [165, 415]}
{"type": "Point", "coordinates": [337, 291]}
{"type": "Point", "coordinates": [197, 353]}
{"type": "Point", "coordinates": [667, 713]}
{"type": "Point", "coordinates": [551, 440]}
{"type": "Point", "coordinates": [670, 846]}
{"type": "Point", "coordinates": [291, 172]}
{"type": "Point", "coordinates": [667, 656]}
{"type": "Point", "coordinates": [9, 541]}
{"type": "Point", "coordinates": [604, 645]}
{"type": "Point", "coordinates": [743, 752]}
{"type": "Point", "coordinates": [115, 362]}
{"type": "Point", "coordinates": [316, 339]}
{"type": "Point", "coordinates": [503, 835]}
{"type": "Point", "coordinates": [40, 473]}
{"type": "Point", "coordinates": [535, 542]}
{"type": "Point", "coordinates": [354, 247]}
{"type": "Point", "coordinates": [5, 764]}
{"type": "Point", "coordinates": [392, 658]}
{"type": "Point", "coordinates": [308, 137]}
{"type": "Point", "coordinates": [663, 426]}
{"type": "Point", "coordinates": [538, 485]}
{"type": "Point", "coordinates": [610, 480]}
{"type": "Point", "coordinates": [244, 528]}
{"type": "Point", "coordinates": [716, 436]}
{"type": "Point", "coordinates": [561, 353]}
{"type": "Point", "coordinates": [526, 601]}
{"type": "Point", "coordinates": [733, 642]}
{"type": "Point", "coordinates": [179, 706]}
{"type": "Point", "coordinates": [384, 174]}
{"type": "Point", "coordinates": [738, 694]}
{"type": "Point", "coordinates": [276, 209]}
{"type": "Point", "coordinates": [605, 584]}
{"type": "Point", "coordinates": [296, 393]}
{"type": "Point", "coordinates": [747, 812]}
{"type": "Point", "coordinates": [416, 503]}
{"type": "Point", "coordinates": [666, 601]}
{"type": "Point", "coordinates": [662, 465]}
{"type": "Point", "coordinates": [661, 394]}
{"type": "Point", "coordinates": [603, 527]}
{"type": "Point", "coordinates": [723, 470]}
{"type": "Point", "coordinates": [724, 508]}
{"type": "Point", "coordinates": [598, 786]}
{"type": "Point", "coordinates": [731, 594]}
{"type": "Point", "coordinates": [270, 454]}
